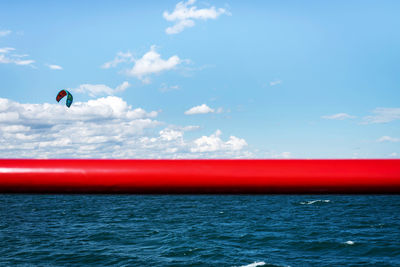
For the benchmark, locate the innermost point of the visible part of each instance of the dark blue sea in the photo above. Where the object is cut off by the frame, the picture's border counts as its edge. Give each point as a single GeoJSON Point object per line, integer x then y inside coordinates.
{"type": "Point", "coordinates": [200, 230]}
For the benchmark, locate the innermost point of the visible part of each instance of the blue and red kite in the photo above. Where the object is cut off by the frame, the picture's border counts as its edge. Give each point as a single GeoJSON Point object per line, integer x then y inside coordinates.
{"type": "Point", "coordinates": [63, 93]}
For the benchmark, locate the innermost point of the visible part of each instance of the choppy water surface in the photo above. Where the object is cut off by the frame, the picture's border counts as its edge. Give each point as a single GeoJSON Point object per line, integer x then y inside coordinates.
{"type": "Point", "coordinates": [200, 230]}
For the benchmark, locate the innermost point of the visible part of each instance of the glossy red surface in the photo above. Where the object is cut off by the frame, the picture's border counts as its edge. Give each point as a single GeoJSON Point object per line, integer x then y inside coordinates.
{"type": "Point", "coordinates": [199, 176]}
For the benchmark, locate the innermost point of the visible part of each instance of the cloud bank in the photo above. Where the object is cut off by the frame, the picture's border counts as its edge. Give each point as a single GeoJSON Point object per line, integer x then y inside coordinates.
{"type": "Point", "coordinates": [102, 128]}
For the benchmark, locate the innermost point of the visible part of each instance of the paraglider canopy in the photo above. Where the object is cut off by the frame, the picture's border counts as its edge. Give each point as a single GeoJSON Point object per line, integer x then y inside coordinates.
{"type": "Point", "coordinates": [63, 93]}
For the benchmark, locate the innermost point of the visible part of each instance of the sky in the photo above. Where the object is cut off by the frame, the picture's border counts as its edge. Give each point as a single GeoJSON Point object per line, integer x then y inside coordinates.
{"type": "Point", "coordinates": [200, 79]}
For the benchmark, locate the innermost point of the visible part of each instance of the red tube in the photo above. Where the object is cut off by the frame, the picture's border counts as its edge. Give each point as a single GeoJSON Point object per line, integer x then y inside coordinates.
{"type": "Point", "coordinates": [199, 176]}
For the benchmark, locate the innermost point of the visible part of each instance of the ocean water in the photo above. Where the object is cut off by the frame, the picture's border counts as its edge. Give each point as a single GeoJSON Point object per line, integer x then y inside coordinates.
{"type": "Point", "coordinates": [200, 230]}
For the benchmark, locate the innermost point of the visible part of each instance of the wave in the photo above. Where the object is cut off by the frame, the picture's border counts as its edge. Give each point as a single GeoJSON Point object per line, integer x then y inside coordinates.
{"type": "Point", "coordinates": [261, 263]}
{"type": "Point", "coordinates": [315, 201]}
{"type": "Point", "coordinates": [254, 264]}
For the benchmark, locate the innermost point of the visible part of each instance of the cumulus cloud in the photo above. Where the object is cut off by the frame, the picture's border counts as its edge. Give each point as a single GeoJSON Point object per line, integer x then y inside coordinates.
{"type": "Point", "coordinates": [171, 143]}
{"type": "Point", "coordinates": [54, 67]}
{"type": "Point", "coordinates": [101, 128]}
{"type": "Point", "coordinates": [185, 14]}
{"type": "Point", "coordinates": [382, 115]}
{"type": "Point", "coordinates": [170, 134]}
{"type": "Point", "coordinates": [100, 89]}
{"type": "Point", "coordinates": [8, 56]}
{"type": "Point", "coordinates": [152, 63]}
{"type": "Point", "coordinates": [214, 143]}
{"type": "Point", "coordinates": [338, 116]}
{"type": "Point", "coordinates": [87, 129]}
{"type": "Point", "coordinates": [388, 139]}
{"type": "Point", "coordinates": [202, 109]}
{"type": "Point", "coordinates": [110, 107]}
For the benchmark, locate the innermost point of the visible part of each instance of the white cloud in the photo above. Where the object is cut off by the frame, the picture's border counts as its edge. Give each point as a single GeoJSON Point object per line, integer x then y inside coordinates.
{"type": "Point", "coordinates": [87, 129]}
{"type": "Point", "coordinates": [382, 115]}
{"type": "Point", "coordinates": [110, 107]}
{"type": "Point", "coordinates": [16, 128]}
{"type": "Point", "coordinates": [165, 88]}
{"type": "Point", "coordinates": [120, 58]}
{"type": "Point", "coordinates": [100, 89]}
{"type": "Point", "coordinates": [214, 143]}
{"type": "Point", "coordinates": [338, 116]}
{"type": "Point", "coordinates": [7, 56]}
{"type": "Point", "coordinates": [180, 26]}
{"type": "Point", "coordinates": [101, 128]}
{"type": "Point", "coordinates": [285, 155]}
{"type": "Point", "coordinates": [278, 155]}
{"type": "Point", "coordinates": [4, 33]}
{"type": "Point", "coordinates": [171, 142]}
{"type": "Point", "coordinates": [190, 128]}
{"type": "Point", "coordinates": [185, 13]}
{"type": "Point", "coordinates": [9, 116]}
{"type": "Point", "coordinates": [234, 143]}
{"type": "Point", "coordinates": [170, 134]}
{"type": "Point", "coordinates": [54, 67]}
{"type": "Point", "coordinates": [388, 139]}
{"type": "Point", "coordinates": [273, 83]}
{"type": "Point", "coordinates": [152, 63]}
{"type": "Point", "coordinates": [202, 109]}
{"type": "Point", "coordinates": [6, 50]}
{"type": "Point", "coordinates": [24, 62]}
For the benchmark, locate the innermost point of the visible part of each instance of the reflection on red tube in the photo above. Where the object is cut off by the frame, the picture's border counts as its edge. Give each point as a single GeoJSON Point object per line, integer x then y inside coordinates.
{"type": "Point", "coordinates": [199, 176]}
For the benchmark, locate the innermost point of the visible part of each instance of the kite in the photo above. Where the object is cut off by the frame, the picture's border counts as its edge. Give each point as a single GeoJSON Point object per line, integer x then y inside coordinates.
{"type": "Point", "coordinates": [63, 93]}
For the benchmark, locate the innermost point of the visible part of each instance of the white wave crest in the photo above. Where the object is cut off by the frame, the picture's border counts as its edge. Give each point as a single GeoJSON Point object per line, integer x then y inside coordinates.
{"type": "Point", "coordinates": [349, 242]}
{"type": "Point", "coordinates": [315, 201]}
{"type": "Point", "coordinates": [254, 264]}
{"type": "Point", "coordinates": [261, 263]}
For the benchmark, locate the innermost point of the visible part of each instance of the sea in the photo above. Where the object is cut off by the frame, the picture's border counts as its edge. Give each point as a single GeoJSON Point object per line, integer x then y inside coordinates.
{"type": "Point", "coordinates": [199, 230]}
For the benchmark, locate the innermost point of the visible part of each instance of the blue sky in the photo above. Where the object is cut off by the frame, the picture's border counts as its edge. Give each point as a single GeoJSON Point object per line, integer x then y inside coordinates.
{"type": "Point", "coordinates": [200, 79]}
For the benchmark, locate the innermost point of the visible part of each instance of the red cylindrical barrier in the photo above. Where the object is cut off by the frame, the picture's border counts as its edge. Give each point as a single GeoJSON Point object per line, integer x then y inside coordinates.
{"type": "Point", "coordinates": [199, 176]}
